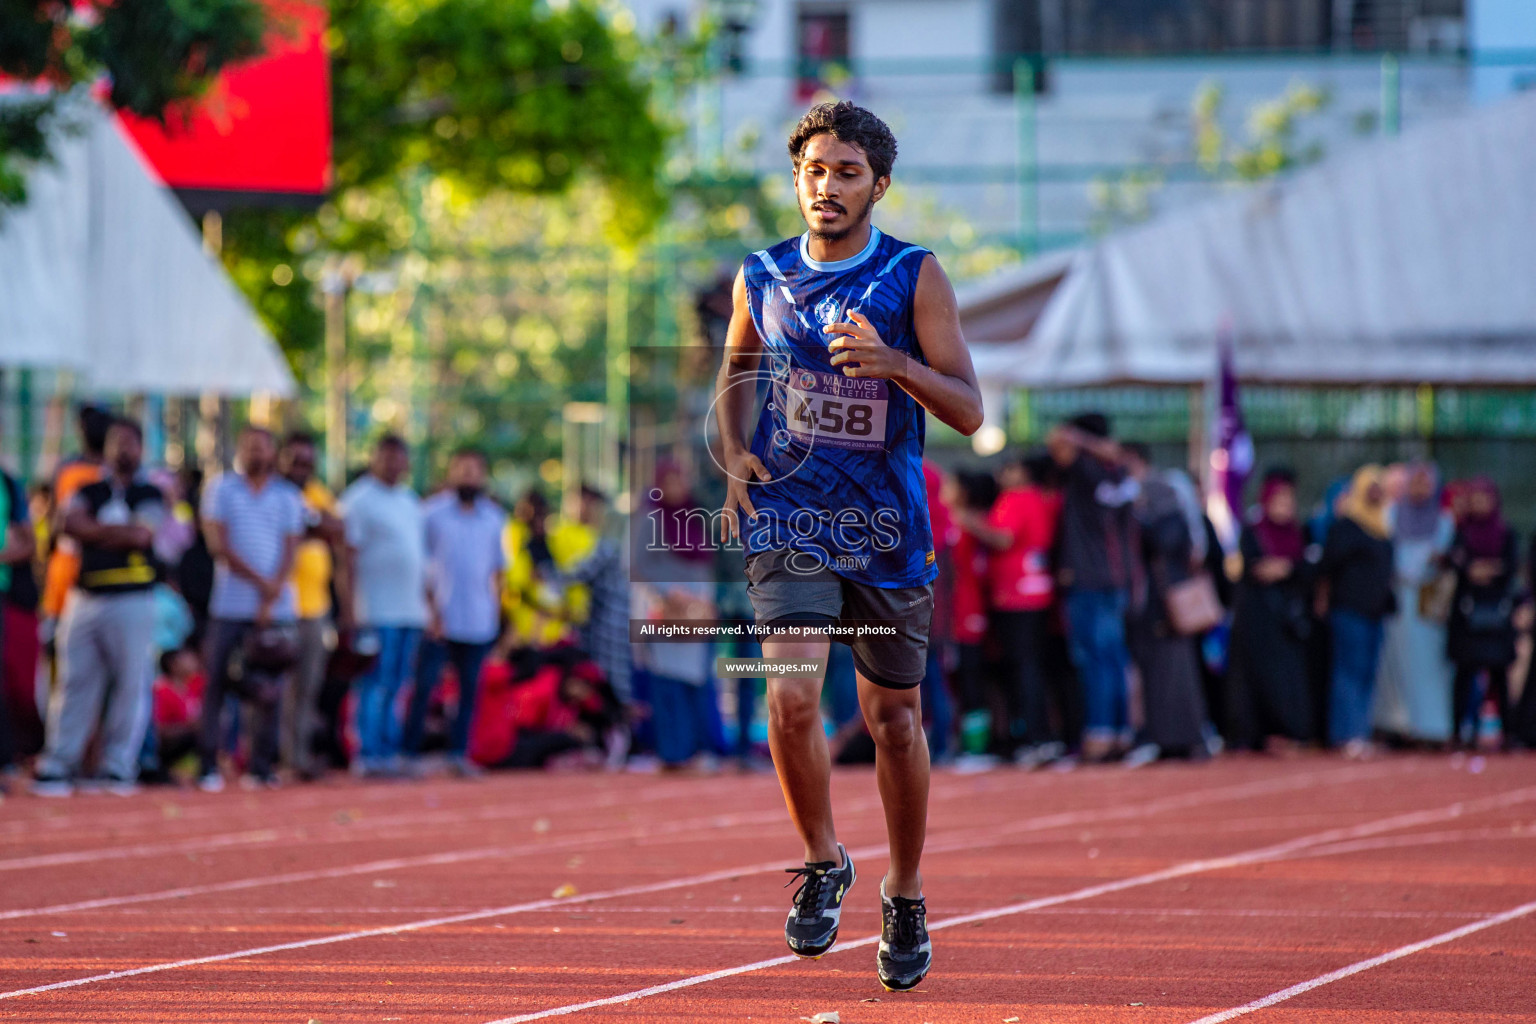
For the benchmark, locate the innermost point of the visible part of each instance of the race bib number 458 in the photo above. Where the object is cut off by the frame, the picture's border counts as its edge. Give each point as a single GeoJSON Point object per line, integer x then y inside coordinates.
{"type": "Point", "coordinates": [827, 408]}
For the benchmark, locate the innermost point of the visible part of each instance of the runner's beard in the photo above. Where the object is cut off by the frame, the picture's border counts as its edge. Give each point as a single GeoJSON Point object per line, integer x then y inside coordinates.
{"type": "Point", "coordinates": [838, 236]}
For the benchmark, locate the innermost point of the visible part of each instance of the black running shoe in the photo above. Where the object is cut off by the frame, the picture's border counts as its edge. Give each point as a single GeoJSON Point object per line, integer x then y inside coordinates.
{"type": "Point", "coordinates": [812, 925]}
{"type": "Point", "coordinates": [905, 952]}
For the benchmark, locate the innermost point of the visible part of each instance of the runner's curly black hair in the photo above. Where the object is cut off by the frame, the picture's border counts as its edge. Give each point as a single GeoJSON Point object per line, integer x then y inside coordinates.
{"type": "Point", "coordinates": [849, 123]}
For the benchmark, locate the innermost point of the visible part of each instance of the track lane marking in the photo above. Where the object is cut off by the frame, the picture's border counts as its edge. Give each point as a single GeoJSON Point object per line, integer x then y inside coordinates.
{"type": "Point", "coordinates": [250, 837]}
{"type": "Point", "coordinates": [955, 845]}
{"type": "Point", "coordinates": [213, 841]}
{"type": "Point", "coordinates": [1062, 819]}
{"type": "Point", "coordinates": [588, 841]}
{"type": "Point", "coordinates": [1267, 853]}
{"type": "Point", "coordinates": [1514, 913]}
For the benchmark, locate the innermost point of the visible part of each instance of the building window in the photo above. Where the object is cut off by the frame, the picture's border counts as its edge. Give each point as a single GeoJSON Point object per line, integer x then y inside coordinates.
{"type": "Point", "coordinates": [821, 50]}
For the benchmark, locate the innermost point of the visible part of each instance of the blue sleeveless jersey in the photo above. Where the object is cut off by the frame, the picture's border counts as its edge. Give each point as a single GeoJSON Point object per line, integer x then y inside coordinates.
{"type": "Point", "coordinates": [845, 454]}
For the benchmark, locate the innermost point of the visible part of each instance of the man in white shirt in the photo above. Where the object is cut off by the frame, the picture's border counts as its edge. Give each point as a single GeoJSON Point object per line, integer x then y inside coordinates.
{"type": "Point", "coordinates": [386, 550]}
{"type": "Point", "coordinates": [466, 564]}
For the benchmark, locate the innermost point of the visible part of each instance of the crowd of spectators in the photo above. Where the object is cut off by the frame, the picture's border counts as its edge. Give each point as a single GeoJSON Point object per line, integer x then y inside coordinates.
{"type": "Point", "coordinates": [159, 628]}
{"type": "Point", "coordinates": [257, 627]}
{"type": "Point", "coordinates": [1095, 613]}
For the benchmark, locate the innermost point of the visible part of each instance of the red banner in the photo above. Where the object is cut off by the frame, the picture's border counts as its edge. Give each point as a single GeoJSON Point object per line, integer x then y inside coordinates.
{"type": "Point", "coordinates": [264, 127]}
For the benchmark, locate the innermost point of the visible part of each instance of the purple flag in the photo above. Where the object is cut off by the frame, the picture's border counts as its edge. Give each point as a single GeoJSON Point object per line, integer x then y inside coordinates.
{"type": "Point", "coordinates": [1231, 453]}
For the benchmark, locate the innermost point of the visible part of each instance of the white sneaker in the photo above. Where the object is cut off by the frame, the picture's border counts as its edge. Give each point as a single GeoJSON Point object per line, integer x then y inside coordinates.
{"type": "Point", "coordinates": [120, 787]}
{"type": "Point", "coordinates": [971, 764]}
{"type": "Point", "coordinates": [52, 788]}
{"type": "Point", "coordinates": [212, 782]}
{"type": "Point", "coordinates": [1140, 757]}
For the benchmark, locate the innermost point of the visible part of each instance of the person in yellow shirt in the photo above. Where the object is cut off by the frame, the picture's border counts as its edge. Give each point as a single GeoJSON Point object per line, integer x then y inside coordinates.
{"type": "Point", "coordinates": [86, 469]}
{"type": "Point", "coordinates": [316, 566]}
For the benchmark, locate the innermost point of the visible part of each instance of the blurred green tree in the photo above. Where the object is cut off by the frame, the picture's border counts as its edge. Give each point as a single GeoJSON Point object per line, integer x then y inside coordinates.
{"type": "Point", "coordinates": [521, 96]}
{"type": "Point", "coordinates": [154, 56]}
{"type": "Point", "coordinates": [1273, 146]}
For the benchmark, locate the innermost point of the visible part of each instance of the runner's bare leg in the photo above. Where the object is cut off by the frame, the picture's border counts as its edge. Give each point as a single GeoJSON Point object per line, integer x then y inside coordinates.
{"type": "Point", "coordinates": [799, 745]}
{"type": "Point", "coordinates": [895, 720]}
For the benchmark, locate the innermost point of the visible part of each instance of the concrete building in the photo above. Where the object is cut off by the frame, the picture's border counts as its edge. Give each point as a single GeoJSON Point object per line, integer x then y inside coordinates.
{"type": "Point", "coordinates": [1103, 117]}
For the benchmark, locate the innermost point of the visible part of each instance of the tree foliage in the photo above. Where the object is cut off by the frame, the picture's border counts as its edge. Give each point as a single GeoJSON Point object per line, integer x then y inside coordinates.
{"type": "Point", "coordinates": [522, 97]}
{"type": "Point", "coordinates": [1272, 147]}
{"type": "Point", "coordinates": [153, 54]}
{"type": "Point", "coordinates": [514, 94]}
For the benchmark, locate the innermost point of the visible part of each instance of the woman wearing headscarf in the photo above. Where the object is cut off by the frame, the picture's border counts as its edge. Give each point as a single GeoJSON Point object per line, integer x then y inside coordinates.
{"type": "Point", "coordinates": [1413, 695]}
{"type": "Point", "coordinates": [1172, 698]}
{"type": "Point", "coordinates": [1267, 692]}
{"type": "Point", "coordinates": [1481, 634]}
{"type": "Point", "coordinates": [1357, 571]}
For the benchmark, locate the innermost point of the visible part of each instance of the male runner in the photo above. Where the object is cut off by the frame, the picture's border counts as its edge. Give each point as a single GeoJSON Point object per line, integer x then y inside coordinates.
{"type": "Point", "coordinates": [861, 334]}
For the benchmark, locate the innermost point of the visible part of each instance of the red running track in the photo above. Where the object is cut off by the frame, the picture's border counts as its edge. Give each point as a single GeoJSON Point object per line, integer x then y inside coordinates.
{"type": "Point", "coordinates": [1402, 890]}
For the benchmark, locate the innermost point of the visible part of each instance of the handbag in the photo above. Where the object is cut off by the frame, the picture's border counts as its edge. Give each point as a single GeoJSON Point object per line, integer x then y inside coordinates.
{"type": "Point", "coordinates": [272, 649]}
{"type": "Point", "coordinates": [1437, 596]}
{"type": "Point", "coordinates": [1488, 616]}
{"type": "Point", "coordinates": [1192, 605]}
{"type": "Point", "coordinates": [256, 671]}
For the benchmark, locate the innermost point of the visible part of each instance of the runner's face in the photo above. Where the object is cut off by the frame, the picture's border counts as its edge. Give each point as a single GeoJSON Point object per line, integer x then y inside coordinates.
{"type": "Point", "coordinates": [835, 187]}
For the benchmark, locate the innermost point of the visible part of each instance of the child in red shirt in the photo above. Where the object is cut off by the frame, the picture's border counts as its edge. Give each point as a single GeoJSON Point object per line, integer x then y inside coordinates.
{"type": "Point", "coordinates": [1018, 532]}
{"type": "Point", "coordinates": [971, 496]}
{"type": "Point", "coordinates": [177, 703]}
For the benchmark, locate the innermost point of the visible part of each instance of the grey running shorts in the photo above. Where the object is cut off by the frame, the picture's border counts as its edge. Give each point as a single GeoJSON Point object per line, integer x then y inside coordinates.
{"type": "Point", "coordinates": [782, 595]}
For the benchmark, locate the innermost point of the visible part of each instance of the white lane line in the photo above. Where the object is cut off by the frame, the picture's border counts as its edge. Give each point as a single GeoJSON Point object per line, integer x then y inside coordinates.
{"type": "Point", "coordinates": [1426, 839]}
{"type": "Point", "coordinates": [412, 926]}
{"type": "Point", "coordinates": [1265, 853]}
{"type": "Point", "coordinates": [588, 841]}
{"type": "Point", "coordinates": [960, 841]}
{"type": "Point", "coordinates": [998, 837]}
{"type": "Point", "coordinates": [672, 910]}
{"type": "Point", "coordinates": [1365, 965]}
{"type": "Point", "coordinates": [352, 830]}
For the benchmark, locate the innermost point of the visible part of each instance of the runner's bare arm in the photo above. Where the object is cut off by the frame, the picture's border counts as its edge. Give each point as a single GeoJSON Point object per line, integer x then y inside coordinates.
{"type": "Point", "coordinates": [735, 387]}
{"type": "Point", "coordinates": [946, 386]}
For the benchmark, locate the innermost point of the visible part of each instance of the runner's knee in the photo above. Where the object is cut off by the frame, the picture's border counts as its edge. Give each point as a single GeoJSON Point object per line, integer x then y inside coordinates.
{"type": "Point", "coordinates": [794, 708]}
{"type": "Point", "coordinates": [895, 727]}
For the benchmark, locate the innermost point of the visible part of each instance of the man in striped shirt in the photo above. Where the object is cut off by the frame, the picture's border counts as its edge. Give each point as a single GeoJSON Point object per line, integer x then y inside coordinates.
{"type": "Point", "coordinates": [253, 521]}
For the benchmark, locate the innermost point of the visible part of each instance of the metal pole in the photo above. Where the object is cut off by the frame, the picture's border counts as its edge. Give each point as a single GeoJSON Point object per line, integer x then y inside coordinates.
{"type": "Point", "coordinates": [1028, 165]}
{"type": "Point", "coordinates": [25, 434]}
{"type": "Point", "coordinates": [335, 285]}
{"type": "Point", "coordinates": [1391, 94]}
{"type": "Point", "coordinates": [213, 410]}
{"type": "Point", "coordinates": [423, 367]}
{"type": "Point", "coordinates": [617, 383]}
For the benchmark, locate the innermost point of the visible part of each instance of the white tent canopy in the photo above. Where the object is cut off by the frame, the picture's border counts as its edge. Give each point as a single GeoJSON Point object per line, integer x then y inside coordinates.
{"type": "Point", "coordinates": [101, 273]}
{"type": "Point", "coordinates": [1407, 260]}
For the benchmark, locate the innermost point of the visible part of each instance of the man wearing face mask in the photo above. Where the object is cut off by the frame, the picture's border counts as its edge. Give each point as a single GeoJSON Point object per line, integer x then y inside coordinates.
{"type": "Point", "coordinates": [106, 645]}
{"type": "Point", "coordinates": [465, 567]}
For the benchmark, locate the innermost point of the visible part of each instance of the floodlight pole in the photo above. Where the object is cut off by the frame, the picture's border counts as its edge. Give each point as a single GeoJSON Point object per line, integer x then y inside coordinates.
{"type": "Point", "coordinates": [336, 285]}
{"type": "Point", "coordinates": [1028, 165]}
